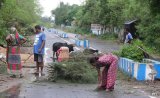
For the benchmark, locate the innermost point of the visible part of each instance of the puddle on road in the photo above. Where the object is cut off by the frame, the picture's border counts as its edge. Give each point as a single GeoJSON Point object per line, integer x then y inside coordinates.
{"type": "Point", "coordinates": [11, 93]}
{"type": "Point", "coordinates": [14, 91]}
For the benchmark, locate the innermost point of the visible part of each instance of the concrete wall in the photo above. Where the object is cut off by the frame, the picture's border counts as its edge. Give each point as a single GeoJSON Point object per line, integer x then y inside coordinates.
{"type": "Point", "coordinates": [139, 71]}
{"type": "Point", "coordinates": [156, 65]}
{"type": "Point", "coordinates": [82, 43]}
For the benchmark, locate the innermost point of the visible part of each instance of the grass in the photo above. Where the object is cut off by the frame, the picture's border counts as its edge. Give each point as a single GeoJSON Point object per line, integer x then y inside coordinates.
{"type": "Point", "coordinates": [108, 36]}
{"type": "Point", "coordinates": [3, 68]}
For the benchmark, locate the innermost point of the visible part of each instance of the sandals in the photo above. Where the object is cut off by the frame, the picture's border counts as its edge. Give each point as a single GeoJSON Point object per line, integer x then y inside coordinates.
{"type": "Point", "coordinates": [21, 76]}
{"type": "Point", "coordinates": [13, 76]}
{"type": "Point", "coordinates": [109, 90]}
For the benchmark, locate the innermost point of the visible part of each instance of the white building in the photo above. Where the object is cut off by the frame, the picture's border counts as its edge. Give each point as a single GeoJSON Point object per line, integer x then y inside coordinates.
{"type": "Point", "coordinates": [96, 29]}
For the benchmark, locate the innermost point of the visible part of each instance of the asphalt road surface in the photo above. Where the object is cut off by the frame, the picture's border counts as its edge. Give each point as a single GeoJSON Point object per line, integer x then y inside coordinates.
{"type": "Point", "coordinates": [29, 89]}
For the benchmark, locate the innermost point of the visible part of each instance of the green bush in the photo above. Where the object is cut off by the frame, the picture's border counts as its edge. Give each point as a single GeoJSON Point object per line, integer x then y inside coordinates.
{"type": "Point", "coordinates": [28, 43]}
{"type": "Point", "coordinates": [109, 36]}
{"type": "Point", "coordinates": [75, 70]}
{"type": "Point", "coordinates": [27, 30]}
{"type": "Point", "coordinates": [149, 30]}
{"type": "Point", "coordinates": [3, 68]}
{"type": "Point", "coordinates": [132, 51]}
{"type": "Point", "coordinates": [3, 34]}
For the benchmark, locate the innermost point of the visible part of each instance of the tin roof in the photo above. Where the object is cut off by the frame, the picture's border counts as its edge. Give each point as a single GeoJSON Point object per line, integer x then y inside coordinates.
{"type": "Point", "coordinates": [130, 22]}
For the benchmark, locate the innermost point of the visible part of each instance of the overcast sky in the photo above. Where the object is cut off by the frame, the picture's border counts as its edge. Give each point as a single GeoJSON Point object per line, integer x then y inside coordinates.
{"type": "Point", "coordinates": [49, 5]}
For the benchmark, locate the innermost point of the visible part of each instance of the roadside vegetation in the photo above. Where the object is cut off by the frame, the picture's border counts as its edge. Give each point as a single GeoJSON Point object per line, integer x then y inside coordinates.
{"type": "Point", "coordinates": [23, 14]}
{"type": "Point", "coordinates": [20, 13]}
{"type": "Point", "coordinates": [135, 51]}
{"type": "Point", "coordinates": [113, 13]}
{"type": "Point", "coordinates": [106, 36]}
{"type": "Point", "coordinates": [3, 68]}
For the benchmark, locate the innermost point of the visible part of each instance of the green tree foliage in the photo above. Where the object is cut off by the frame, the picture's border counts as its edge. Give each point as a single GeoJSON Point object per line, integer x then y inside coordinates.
{"type": "Point", "coordinates": [89, 14]}
{"type": "Point", "coordinates": [135, 51]}
{"type": "Point", "coordinates": [22, 11]}
{"type": "Point", "coordinates": [60, 14]}
{"type": "Point", "coordinates": [155, 6]}
{"type": "Point", "coordinates": [113, 13]}
{"type": "Point", "coordinates": [65, 14]}
{"type": "Point", "coordinates": [19, 13]}
{"type": "Point", "coordinates": [1, 3]}
{"type": "Point", "coordinates": [116, 11]}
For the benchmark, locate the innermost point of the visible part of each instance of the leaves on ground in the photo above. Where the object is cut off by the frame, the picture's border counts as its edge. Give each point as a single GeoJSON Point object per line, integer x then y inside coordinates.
{"type": "Point", "coordinates": [76, 69]}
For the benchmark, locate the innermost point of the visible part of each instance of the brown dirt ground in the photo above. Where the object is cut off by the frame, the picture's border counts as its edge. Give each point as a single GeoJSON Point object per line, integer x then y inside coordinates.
{"type": "Point", "coordinates": [6, 82]}
{"type": "Point", "coordinates": [148, 87]}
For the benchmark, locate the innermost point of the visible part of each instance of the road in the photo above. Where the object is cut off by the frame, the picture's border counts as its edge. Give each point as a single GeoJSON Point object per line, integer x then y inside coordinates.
{"type": "Point", "coordinates": [103, 46]}
{"type": "Point", "coordinates": [30, 89]}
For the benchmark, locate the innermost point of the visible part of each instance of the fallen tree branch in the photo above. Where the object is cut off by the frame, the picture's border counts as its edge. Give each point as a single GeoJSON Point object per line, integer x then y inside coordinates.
{"type": "Point", "coordinates": [3, 61]}
{"type": "Point", "coordinates": [146, 55]}
{"type": "Point", "coordinates": [28, 58]}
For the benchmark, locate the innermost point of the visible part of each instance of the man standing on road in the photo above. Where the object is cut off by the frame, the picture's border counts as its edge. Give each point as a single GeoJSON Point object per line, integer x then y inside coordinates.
{"type": "Point", "coordinates": [129, 37]}
{"type": "Point", "coordinates": [39, 45]}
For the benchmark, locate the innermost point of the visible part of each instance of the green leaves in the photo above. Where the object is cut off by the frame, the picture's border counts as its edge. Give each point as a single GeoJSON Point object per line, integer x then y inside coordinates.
{"type": "Point", "coordinates": [113, 13]}
{"type": "Point", "coordinates": [76, 69]}
{"type": "Point", "coordinates": [65, 14]}
{"type": "Point", "coordinates": [132, 51]}
{"type": "Point", "coordinates": [155, 6]}
{"type": "Point", "coordinates": [19, 13]}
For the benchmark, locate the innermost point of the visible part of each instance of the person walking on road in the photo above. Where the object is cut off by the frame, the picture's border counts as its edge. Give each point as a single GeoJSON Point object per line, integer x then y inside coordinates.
{"type": "Point", "coordinates": [39, 45]}
{"type": "Point", "coordinates": [129, 37]}
{"type": "Point", "coordinates": [106, 66]}
{"type": "Point", "coordinates": [14, 41]}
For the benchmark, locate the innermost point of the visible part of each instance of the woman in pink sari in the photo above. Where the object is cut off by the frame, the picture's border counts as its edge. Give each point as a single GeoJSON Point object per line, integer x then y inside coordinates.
{"type": "Point", "coordinates": [106, 66]}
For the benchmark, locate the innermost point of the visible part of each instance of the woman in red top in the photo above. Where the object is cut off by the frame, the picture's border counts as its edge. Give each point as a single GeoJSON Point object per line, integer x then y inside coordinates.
{"type": "Point", "coordinates": [108, 64]}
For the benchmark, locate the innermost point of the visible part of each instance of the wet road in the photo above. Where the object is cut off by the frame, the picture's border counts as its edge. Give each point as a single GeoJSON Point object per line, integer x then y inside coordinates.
{"type": "Point", "coordinates": [48, 90]}
{"type": "Point", "coordinates": [103, 46]}
{"type": "Point", "coordinates": [29, 89]}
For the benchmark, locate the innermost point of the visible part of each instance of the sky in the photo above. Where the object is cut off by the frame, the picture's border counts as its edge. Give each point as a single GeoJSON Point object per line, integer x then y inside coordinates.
{"type": "Point", "coordinates": [49, 5]}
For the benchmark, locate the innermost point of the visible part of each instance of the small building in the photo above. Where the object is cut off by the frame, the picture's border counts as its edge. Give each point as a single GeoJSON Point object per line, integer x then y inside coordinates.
{"type": "Point", "coordinates": [96, 29]}
{"type": "Point", "coordinates": [131, 26]}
